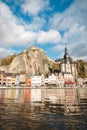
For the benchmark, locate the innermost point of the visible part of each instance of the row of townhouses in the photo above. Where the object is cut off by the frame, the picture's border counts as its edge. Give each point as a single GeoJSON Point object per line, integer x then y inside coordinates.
{"type": "Point", "coordinates": [22, 79]}
{"type": "Point", "coordinates": [26, 80]}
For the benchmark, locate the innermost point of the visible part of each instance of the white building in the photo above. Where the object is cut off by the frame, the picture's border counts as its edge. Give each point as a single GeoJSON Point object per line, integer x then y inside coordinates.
{"type": "Point", "coordinates": [17, 82]}
{"type": "Point", "coordinates": [36, 81]}
{"type": "Point", "coordinates": [46, 80]}
{"type": "Point", "coordinates": [52, 79]}
{"type": "Point", "coordinates": [80, 81]}
{"type": "Point", "coordinates": [60, 81]}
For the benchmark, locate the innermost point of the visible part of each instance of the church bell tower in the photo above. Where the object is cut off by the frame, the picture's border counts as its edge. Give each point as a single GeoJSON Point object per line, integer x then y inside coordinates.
{"type": "Point", "coordinates": [68, 67]}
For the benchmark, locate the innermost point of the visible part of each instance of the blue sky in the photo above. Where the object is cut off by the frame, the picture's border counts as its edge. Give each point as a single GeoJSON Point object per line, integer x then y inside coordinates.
{"type": "Point", "coordinates": [48, 24]}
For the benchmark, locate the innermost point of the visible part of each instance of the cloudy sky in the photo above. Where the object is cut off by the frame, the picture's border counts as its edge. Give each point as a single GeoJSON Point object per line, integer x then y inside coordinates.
{"type": "Point", "coordinates": [48, 24]}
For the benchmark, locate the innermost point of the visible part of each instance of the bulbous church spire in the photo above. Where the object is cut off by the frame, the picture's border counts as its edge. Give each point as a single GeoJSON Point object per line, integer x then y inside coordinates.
{"type": "Point", "coordinates": [66, 57]}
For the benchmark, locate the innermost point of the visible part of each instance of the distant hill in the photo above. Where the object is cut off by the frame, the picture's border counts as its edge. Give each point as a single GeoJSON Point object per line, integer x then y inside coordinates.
{"type": "Point", "coordinates": [82, 68]}
{"type": "Point", "coordinates": [7, 60]}
{"type": "Point", "coordinates": [32, 60]}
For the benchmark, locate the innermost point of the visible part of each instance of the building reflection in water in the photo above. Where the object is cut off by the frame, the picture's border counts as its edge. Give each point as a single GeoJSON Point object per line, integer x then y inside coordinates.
{"type": "Point", "coordinates": [64, 101]}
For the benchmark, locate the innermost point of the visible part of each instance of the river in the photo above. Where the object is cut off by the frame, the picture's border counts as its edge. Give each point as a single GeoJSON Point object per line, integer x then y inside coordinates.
{"type": "Point", "coordinates": [43, 109]}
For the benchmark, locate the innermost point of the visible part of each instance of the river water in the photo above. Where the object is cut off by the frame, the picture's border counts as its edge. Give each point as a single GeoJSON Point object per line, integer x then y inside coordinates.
{"type": "Point", "coordinates": [43, 109]}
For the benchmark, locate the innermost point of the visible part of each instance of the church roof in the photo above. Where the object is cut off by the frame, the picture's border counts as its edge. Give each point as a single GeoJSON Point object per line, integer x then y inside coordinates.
{"type": "Point", "coordinates": [66, 57]}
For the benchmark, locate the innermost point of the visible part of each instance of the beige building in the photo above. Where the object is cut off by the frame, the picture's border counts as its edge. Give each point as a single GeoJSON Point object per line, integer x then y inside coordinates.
{"type": "Point", "coordinates": [8, 79]}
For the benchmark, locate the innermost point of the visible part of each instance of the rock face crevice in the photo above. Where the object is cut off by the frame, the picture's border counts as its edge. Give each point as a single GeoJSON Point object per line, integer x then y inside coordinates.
{"type": "Point", "coordinates": [33, 60]}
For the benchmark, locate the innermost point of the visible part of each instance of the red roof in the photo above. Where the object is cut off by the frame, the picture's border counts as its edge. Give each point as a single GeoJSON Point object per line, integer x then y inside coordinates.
{"type": "Point", "coordinates": [69, 82]}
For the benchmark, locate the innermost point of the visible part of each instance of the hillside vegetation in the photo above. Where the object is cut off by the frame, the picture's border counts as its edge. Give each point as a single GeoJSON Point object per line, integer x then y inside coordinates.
{"type": "Point", "coordinates": [82, 68]}
{"type": "Point", "coordinates": [7, 60]}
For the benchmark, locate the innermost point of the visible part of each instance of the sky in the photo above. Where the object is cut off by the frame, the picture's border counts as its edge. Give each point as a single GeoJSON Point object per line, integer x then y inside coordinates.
{"type": "Point", "coordinates": [47, 24]}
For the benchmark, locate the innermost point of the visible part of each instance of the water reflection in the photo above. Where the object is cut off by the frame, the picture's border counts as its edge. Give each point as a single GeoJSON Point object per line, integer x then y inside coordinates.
{"type": "Point", "coordinates": [43, 109]}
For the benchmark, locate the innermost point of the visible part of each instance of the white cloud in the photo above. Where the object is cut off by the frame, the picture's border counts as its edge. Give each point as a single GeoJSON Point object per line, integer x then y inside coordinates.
{"type": "Point", "coordinates": [72, 23]}
{"type": "Point", "coordinates": [82, 51]}
{"type": "Point", "coordinates": [33, 7]}
{"type": "Point", "coordinates": [11, 32]}
{"type": "Point", "coordinates": [76, 13]}
{"type": "Point", "coordinates": [4, 52]}
{"type": "Point", "coordinates": [36, 24]}
{"type": "Point", "coordinates": [58, 48]}
{"type": "Point", "coordinates": [52, 36]}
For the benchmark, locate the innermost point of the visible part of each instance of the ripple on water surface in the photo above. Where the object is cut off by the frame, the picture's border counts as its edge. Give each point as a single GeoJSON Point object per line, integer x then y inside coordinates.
{"type": "Point", "coordinates": [43, 109]}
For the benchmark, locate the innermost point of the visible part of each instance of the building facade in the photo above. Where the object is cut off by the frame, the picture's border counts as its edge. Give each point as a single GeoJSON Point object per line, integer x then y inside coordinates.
{"type": "Point", "coordinates": [2, 78]}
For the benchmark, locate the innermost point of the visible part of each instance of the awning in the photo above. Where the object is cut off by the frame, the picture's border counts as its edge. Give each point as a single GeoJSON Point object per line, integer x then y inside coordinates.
{"type": "Point", "coordinates": [69, 82]}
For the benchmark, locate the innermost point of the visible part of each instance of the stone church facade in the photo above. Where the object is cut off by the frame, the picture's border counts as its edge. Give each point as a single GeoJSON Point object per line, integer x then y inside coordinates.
{"type": "Point", "coordinates": [68, 68]}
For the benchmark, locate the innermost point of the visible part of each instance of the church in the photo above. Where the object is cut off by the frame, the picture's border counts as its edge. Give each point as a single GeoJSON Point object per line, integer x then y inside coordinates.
{"type": "Point", "coordinates": [68, 68]}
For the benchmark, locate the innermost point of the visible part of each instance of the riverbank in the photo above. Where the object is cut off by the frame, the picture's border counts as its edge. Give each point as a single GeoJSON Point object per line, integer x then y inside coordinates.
{"type": "Point", "coordinates": [45, 87]}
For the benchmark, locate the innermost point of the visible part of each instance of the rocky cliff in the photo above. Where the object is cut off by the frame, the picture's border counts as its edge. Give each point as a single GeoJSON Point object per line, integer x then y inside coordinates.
{"type": "Point", "coordinates": [33, 60]}
{"type": "Point", "coordinates": [82, 68]}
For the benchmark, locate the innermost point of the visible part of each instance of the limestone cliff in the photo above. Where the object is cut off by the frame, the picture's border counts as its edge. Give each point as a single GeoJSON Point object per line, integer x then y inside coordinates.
{"type": "Point", "coordinates": [32, 60]}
